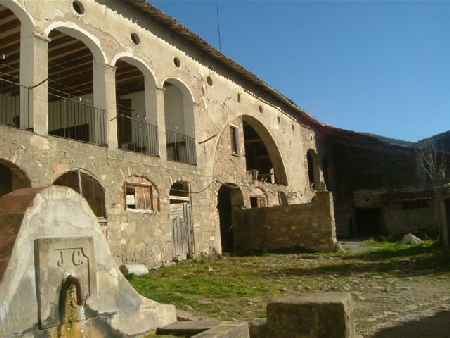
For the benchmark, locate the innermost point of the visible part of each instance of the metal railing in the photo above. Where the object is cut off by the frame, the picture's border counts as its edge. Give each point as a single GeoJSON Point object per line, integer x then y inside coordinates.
{"type": "Point", "coordinates": [10, 96]}
{"type": "Point", "coordinates": [137, 134]}
{"type": "Point", "coordinates": [180, 147]}
{"type": "Point", "coordinates": [77, 119]}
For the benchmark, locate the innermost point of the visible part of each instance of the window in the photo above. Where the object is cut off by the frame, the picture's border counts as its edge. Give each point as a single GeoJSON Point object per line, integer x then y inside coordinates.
{"type": "Point", "coordinates": [78, 7]}
{"type": "Point", "coordinates": [234, 138]}
{"type": "Point", "coordinates": [135, 38]}
{"type": "Point", "coordinates": [140, 194]}
{"type": "Point", "coordinates": [258, 202]}
{"type": "Point", "coordinates": [139, 197]}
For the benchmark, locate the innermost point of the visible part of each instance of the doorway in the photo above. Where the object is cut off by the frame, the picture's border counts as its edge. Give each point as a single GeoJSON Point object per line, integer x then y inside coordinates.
{"type": "Point", "coordinates": [180, 213]}
{"type": "Point", "coordinates": [368, 222]}
{"type": "Point", "coordinates": [229, 198]}
{"type": "Point", "coordinates": [447, 210]}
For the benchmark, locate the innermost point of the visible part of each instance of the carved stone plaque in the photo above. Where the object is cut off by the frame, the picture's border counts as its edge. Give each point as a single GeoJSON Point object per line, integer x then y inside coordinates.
{"type": "Point", "coordinates": [57, 259]}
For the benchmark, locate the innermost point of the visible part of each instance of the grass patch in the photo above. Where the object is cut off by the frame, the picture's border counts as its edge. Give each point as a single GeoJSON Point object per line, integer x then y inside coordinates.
{"type": "Point", "coordinates": [240, 287]}
{"type": "Point", "coordinates": [385, 250]}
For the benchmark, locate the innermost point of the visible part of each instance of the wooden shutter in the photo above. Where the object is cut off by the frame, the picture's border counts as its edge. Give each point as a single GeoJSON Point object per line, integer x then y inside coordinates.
{"type": "Point", "coordinates": [144, 197]}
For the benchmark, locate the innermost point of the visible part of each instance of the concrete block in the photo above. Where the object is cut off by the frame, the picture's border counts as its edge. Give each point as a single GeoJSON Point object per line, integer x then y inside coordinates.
{"type": "Point", "coordinates": [323, 315]}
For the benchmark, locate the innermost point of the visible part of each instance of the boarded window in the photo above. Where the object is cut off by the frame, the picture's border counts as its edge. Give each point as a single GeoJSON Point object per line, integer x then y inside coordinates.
{"type": "Point", "coordinates": [234, 138]}
{"type": "Point", "coordinates": [140, 194]}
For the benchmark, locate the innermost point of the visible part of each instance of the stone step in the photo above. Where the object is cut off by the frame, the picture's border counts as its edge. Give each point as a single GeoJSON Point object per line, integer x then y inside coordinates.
{"type": "Point", "coordinates": [187, 329]}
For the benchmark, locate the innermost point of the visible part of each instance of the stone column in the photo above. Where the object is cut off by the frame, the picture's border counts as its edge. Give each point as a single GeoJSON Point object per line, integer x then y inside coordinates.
{"type": "Point", "coordinates": [105, 101]}
{"type": "Point", "coordinates": [160, 111]}
{"type": "Point", "coordinates": [34, 80]}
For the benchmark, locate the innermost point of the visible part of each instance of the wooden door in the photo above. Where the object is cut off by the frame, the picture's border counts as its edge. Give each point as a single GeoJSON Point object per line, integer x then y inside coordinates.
{"type": "Point", "coordinates": [182, 230]}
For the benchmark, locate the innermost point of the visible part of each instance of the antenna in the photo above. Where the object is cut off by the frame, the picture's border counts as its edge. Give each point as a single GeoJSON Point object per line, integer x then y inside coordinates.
{"type": "Point", "coordinates": [219, 34]}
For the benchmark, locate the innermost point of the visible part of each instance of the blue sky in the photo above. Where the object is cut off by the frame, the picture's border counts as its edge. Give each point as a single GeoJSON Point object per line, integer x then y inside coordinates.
{"type": "Point", "coordinates": [371, 66]}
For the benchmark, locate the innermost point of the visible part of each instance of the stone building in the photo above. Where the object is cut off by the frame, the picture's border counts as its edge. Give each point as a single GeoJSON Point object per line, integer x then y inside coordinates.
{"type": "Point", "coordinates": [379, 184]}
{"type": "Point", "coordinates": [161, 133]}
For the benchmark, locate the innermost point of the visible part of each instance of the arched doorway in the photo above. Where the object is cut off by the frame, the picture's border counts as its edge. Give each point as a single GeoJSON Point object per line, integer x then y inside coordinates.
{"type": "Point", "coordinates": [263, 158]}
{"type": "Point", "coordinates": [229, 197]}
{"type": "Point", "coordinates": [12, 178]}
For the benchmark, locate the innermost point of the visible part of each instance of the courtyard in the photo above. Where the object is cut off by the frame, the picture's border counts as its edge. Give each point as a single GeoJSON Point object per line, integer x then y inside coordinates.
{"type": "Point", "coordinates": [398, 290]}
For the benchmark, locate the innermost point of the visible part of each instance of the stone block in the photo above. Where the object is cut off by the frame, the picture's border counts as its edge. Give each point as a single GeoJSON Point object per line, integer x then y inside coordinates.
{"type": "Point", "coordinates": [56, 260]}
{"type": "Point", "coordinates": [186, 328]}
{"type": "Point", "coordinates": [324, 315]}
{"type": "Point", "coordinates": [134, 269]}
{"type": "Point", "coordinates": [257, 328]}
{"type": "Point", "coordinates": [227, 330]}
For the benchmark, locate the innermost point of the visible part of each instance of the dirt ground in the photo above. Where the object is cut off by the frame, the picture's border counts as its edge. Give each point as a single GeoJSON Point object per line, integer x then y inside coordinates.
{"type": "Point", "coordinates": [399, 291]}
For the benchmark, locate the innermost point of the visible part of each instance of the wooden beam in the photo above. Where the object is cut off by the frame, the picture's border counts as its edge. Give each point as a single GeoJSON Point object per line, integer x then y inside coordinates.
{"type": "Point", "coordinates": [9, 38]}
{"type": "Point", "coordinates": [72, 68]}
{"type": "Point", "coordinates": [68, 48]}
{"type": "Point", "coordinates": [70, 62]}
{"type": "Point", "coordinates": [12, 49]}
{"type": "Point", "coordinates": [69, 55]}
{"type": "Point", "coordinates": [4, 13]}
{"type": "Point", "coordinates": [14, 23]}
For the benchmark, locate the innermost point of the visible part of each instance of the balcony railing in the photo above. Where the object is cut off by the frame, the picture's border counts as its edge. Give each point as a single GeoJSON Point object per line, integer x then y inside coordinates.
{"type": "Point", "coordinates": [180, 147]}
{"type": "Point", "coordinates": [138, 135]}
{"type": "Point", "coordinates": [10, 101]}
{"type": "Point", "coordinates": [77, 119]}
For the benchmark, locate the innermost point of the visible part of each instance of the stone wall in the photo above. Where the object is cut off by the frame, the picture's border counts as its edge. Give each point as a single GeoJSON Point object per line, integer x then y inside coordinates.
{"type": "Point", "coordinates": [105, 27]}
{"type": "Point", "coordinates": [400, 220]}
{"type": "Point", "coordinates": [308, 225]}
{"type": "Point", "coordinates": [367, 164]}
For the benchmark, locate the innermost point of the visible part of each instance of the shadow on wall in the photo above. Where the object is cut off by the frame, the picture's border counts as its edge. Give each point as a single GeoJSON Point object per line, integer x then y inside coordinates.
{"type": "Point", "coordinates": [437, 326]}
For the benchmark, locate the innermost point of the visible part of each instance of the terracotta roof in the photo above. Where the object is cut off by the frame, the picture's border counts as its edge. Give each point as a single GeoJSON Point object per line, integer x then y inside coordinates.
{"type": "Point", "coordinates": [174, 26]}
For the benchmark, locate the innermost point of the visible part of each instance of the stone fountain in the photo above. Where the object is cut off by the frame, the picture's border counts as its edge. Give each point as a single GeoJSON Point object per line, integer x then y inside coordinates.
{"type": "Point", "coordinates": [58, 277]}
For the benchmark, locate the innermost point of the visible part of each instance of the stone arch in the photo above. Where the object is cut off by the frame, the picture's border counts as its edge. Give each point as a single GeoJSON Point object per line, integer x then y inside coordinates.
{"type": "Point", "coordinates": [76, 32]}
{"type": "Point", "coordinates": [88, 186]}
{"type": "Point", "coordinates": [136, 105]}
{"type": "Point", "coordinates": [253, 127]}
{"type": "Point", "coordinates": [180, 121]}
{"type": "Point", "coordinates": [312, 160]}
{"type": "Point", "coordinates": [76, 84]}
{"type": "Point", "coordinates": [139, 63]}
{"type": "Point", "coordinates": [15, 70]}
{"type": "Point", "coordinates": [20, 12]}
{"type": "Point", "coordinates": [12, 177]}
{"type": "Point", "coordinates": [229, 197]}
